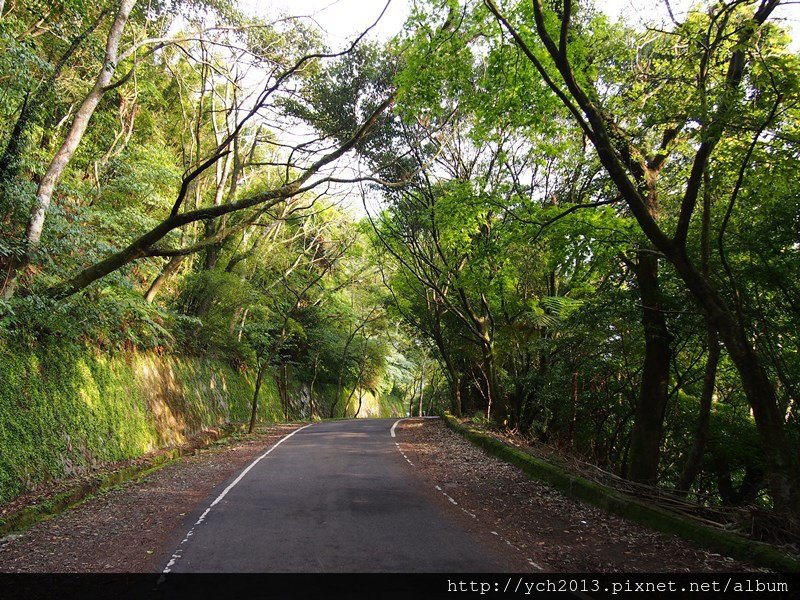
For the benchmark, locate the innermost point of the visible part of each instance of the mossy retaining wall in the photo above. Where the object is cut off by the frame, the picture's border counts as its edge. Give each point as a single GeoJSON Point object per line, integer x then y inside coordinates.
{"type": "Point", "coordinates": [64, 410]}
{"type": "Point", "coordinates": [374, 406]}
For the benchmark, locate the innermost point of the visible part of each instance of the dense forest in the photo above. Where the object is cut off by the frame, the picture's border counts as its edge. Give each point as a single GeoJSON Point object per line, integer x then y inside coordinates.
{"type": "Point", "coordinates": [528, 214]}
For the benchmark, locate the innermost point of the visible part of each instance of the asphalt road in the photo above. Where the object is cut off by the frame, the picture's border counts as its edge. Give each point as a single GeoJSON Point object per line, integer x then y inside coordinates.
{"type": "Point", "coordinates": [335, 497]}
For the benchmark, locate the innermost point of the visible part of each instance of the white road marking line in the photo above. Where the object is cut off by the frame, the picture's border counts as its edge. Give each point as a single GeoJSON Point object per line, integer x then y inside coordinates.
{"type": "Point", "coordinates": [408, 460]}
{"type": "Point", "coordinates": [395, 425]}
{"type": "Point", "coordinates": [446, 495]}
{"type": "Point", "coordinates": [452, 500]}
{"type": "Point", "coordinates": [177, 554]}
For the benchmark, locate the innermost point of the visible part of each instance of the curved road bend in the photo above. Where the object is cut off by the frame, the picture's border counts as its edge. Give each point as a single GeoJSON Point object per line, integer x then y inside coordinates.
{"type": "Point", "coordinates": [335, 497]}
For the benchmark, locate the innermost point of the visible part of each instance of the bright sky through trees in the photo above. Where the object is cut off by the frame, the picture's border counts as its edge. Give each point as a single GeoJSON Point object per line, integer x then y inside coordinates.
{"type": "Point", "coordinates": [342, 19]}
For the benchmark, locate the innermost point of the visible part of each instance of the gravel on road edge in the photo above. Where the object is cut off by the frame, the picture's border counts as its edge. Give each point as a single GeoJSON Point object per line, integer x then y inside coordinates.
{"type": "Point", "coordinates": [549, 529]}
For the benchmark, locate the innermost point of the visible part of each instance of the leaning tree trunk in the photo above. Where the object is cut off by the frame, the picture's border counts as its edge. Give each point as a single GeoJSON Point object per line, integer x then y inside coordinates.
{"type": "Point", "coordinates": [55, 170]}
{"type": "Point", "coordinates": [453, 379]}
{"type": "Point", "coordinates": [254, 409]}
{"type": "Point", "coordinates": [648, 425]}
{"type": "Point", "coordinates": [31, 113]}
{"type": "Point", "coordinates": [453, 376]}
{"type": "Point", "coordinates": [360, 403]}
{"type": "Point", "coordinates": [695, 459]}
{"type": "Point", "coordinates": [781, 457]}
{"type": "Point", "coordinates": [165, 274]}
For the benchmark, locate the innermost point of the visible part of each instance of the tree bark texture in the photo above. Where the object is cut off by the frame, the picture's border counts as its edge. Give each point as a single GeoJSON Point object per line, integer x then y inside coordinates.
{"type": "Point", "coordinates": [648, 424]}
{"type": "Point", "coordinates": [58, 164]}
{"type": "Point", "coordinates": [170, 268]}
{"type": "Point", "coordinates": [695, 458]}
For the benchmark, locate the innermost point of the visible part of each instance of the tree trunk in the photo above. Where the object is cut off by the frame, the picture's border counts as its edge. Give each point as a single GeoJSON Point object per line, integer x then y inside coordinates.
{"type": "Point", "coordinates": [421, 387]}
{"type": "Point", "coordinates": [648, 425]}
{"type": "Point", "coordinates": [212, 251]}
{"type": "Point", "coordinates": [55, 170]}
{"type": "Point", "coordinates": [311, 389]}
{"type": "Point", "coordinates": [282, 383]}
{"type": "Point", "coordinates": [695, 458]}
{"type": "Point", "coordinates": [254, 410]}
{"type": "Point", "coordinates": [453, 376]}
{"type": "Point", "coordinates": [455, 394]}
{"type": "Point", "coordinates": [30, 114]}
{"type": "Point", "coordinates": [692, 467]}
{"type": "Point", "coordinates": [234, 320]}
{"type": "Point", "coordinates": [284, 391]}
{"type": "Point", "coordinates": [241, 327]}
{"type": "Point", "coordinates": [170, 268]}
{"type": "Point", "coordinates": [781, 457]}
{"type": "Point", "coordinates": [574, 417]}
{"type": "Point", "coordinates": [360, 402]}
{"type": "Point", "coordinates": [496, 399]}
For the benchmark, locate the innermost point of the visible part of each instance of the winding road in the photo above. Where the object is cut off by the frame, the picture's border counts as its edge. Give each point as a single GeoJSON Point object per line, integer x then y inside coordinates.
{"type": "Point", "coordinates": [334, 496]}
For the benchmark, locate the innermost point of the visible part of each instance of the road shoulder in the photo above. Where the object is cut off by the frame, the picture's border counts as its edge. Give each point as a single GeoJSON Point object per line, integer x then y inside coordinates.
{"type": "Point", "coordinates": [545, 526]}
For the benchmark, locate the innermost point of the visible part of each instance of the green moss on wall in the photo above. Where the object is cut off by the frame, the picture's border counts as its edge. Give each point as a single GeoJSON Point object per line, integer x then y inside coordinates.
{"type": "Point", "coordinates": [375, 406]}
{"type": "Point", "coordinates": [66, 409]}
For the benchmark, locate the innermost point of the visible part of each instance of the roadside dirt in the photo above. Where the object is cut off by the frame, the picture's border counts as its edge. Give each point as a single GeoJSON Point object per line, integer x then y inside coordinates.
{"type": "Point", "coordinates": [547, 528]}
{"type": "Point", "coordinates": [131, 527]}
